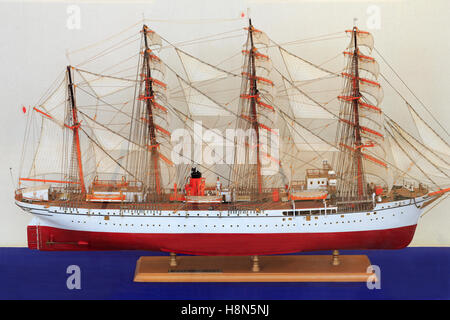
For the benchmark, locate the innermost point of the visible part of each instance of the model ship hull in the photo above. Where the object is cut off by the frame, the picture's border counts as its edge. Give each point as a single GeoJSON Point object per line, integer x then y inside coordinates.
{"type": "Point", "coordinates": [388, 226]}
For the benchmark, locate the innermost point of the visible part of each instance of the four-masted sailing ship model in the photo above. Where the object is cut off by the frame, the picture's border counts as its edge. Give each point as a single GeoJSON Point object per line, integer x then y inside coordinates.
{"type": "Point", "coordinates": [131, 155]}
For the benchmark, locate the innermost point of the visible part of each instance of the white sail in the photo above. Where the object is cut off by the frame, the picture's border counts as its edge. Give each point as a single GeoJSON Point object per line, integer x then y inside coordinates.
{"type": "Point", "coordinates": [415, 161]}
{"type": "Point", "coordinates": [300, 70]}
{"type": "Point", "coordinates": [305, 140]}
{"type": "Point", "coordinates": [303, 107]}
{"type": "Point", "coordinates": [102, 86]}
{"type": "Point", "coordinates": [54, 105]}
{"type": "Point", "coordinates": [376, 91]}
{"type": "Point", "coordinates": [48, 160]}
{"type": "Point", "coordinates": [366, 63]}
{"type": "Point", "coordinates": [200, 104]}
{"type": "Point", "coordinates": [260, 39]}
{"type": "Point", "coordinates": [429, 137]}
{"type": "Point", "coordinates": [197, 70]}
{"type": "Point", "coordinates": [154, 40]}
{"type": "Point", "coordinates": [363, 38]}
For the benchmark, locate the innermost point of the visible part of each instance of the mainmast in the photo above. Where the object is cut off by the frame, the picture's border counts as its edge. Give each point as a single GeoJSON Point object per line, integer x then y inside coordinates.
{"type": "Point", "coordinates": [76, 149]}
{"type": "Point", "coordinates": [254, 113]}
{"type": "Point", "coordinates": [149, 98]}
{"type": "Point", "coordinates": [357, 131]}
{"type": "Point", "coordinates": [149, 124]}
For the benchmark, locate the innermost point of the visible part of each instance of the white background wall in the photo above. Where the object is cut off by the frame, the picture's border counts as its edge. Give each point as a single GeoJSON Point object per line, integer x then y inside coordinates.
{"type": "Point", "coordinates": [413, 36]}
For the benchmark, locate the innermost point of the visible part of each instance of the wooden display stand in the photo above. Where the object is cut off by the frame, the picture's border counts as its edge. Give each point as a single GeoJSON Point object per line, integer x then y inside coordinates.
{"type": "Point", "coordinates": [279, 268]}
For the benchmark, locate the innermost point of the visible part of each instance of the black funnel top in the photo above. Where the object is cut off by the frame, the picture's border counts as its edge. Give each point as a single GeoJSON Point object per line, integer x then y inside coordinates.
{"type": "Point", "coordinates": [195, 173]}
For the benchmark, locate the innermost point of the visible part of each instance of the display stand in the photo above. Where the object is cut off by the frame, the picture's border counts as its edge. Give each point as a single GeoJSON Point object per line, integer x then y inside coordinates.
{"type": "Point", "coordinates": [277, 268]}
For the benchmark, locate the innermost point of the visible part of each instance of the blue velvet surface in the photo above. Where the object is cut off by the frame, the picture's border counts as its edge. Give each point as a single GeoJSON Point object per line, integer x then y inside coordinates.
{"type": "Point", "coordinates": [411, 273]}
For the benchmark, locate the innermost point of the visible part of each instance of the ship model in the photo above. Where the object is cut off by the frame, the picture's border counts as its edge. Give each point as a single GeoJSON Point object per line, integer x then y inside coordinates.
{"type": "Point", "coordinates": [134, 154]}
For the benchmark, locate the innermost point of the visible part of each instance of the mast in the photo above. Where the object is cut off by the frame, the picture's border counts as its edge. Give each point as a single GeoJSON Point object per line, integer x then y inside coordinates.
{"type": "Point", "coordinates": [254, 113]}
{"type": "Point", "coordinates": [355, 104]}
{"type": "Point", "coordinates": [149, 98]}
{"type": "Point", "coordinates": [354, 136]}
{"type": "Point", "coordinates": [75, 125]}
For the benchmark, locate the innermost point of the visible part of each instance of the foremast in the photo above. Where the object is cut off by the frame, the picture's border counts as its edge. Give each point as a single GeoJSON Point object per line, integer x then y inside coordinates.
{"type": "Point", "coordinates": [354, 136]}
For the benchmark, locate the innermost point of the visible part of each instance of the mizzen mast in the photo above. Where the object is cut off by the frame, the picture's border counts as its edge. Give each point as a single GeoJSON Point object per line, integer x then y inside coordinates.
{"type": "Point", "coordinates": [76, 148]}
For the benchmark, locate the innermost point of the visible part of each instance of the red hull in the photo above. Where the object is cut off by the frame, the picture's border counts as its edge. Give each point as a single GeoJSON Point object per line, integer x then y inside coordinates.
{"type": "Point", "coordinates": [53, 239]}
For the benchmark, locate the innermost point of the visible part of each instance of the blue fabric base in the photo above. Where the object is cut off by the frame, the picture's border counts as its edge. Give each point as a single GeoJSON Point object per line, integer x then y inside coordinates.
{"type": "Point", "coordinates": [411, 273]}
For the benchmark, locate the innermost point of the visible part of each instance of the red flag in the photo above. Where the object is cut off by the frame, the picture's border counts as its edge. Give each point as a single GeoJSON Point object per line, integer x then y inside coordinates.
{"type": "Point", "coordinates": [24, 110]}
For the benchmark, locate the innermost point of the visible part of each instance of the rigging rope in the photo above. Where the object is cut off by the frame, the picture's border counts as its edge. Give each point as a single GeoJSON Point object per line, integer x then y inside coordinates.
{"type": "Point", "coordinates": [423, 105]}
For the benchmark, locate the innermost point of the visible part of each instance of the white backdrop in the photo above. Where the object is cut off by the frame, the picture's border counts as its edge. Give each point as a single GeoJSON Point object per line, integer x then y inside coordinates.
{"type": "Point", "coordinates": [34, 38]}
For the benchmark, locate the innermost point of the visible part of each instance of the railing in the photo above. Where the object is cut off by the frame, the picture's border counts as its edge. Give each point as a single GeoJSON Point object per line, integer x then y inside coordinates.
{"type": "Point", "coordinates": [316, 172]}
